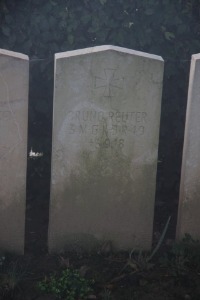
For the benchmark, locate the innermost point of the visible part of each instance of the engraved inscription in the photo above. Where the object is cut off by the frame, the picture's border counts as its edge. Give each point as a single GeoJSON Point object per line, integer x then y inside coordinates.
{"type": "Point", "coordinates": [106, 129]}
{"type": "Point", "coordinates": [114, 116]}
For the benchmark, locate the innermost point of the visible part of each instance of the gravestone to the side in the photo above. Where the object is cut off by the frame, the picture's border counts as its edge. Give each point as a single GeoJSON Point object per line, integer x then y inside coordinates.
{"type": "Point", "coordinates": [189, 201]}
{"type": "Point", "coordinates": [107, 104]}
{"type": "Point", "coordinates": [14, 74]}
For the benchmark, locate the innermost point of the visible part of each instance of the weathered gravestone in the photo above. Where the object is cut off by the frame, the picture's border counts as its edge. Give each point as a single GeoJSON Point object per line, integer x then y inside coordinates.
{"type": "Point", "coordinates": [105, 139]}
{"type": "Point", "coordinates": [14, 74]}
{"type": "Point", "coordinates": [189, 202]}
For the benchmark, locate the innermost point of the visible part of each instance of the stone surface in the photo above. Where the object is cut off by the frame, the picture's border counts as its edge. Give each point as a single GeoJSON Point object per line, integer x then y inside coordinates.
{"type": "Point", "coordinates": [14, 74]}
{"type": "Point", "coordinates": [105, 139]}
{"type": "Point", "coordinates": [189, 202]}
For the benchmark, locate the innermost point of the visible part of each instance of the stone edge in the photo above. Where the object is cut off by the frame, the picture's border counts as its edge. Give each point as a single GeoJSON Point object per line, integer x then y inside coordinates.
{"type": "Point", "coordinates": [196, 56]}
{"type": "Point", "coordinates": [105, 48]}
{"type": "Point", "coordinates": [13, 54]}
{"type": "Point", "coordinates": [179, 229]}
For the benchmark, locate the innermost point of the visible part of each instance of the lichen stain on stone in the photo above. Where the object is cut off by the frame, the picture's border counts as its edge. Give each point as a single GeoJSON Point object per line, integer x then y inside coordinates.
{"type": "Point", "coordinates": [96, 190]}
{"type": "Point", "coordinates": [103, 176]}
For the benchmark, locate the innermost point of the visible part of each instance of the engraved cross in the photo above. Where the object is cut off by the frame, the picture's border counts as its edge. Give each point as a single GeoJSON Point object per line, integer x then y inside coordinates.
{"type": "Point", "coordinates": [109, 83]}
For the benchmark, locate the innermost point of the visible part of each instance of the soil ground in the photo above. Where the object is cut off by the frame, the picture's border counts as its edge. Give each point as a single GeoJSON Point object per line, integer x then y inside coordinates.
{"type": "Point", "coordinates": [174, 273]}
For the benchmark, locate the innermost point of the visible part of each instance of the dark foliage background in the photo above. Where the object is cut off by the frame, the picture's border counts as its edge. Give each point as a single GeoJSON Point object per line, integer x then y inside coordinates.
{"type": "Point", "coordinates": [38, 28]}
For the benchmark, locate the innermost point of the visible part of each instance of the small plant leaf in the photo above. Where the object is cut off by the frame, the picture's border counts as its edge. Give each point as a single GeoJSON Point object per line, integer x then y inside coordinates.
{"type": "Point", "coordinates": [169, 35]}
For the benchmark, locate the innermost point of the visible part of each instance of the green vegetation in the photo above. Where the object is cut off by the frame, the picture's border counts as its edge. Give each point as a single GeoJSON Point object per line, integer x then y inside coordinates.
{"type": "Point", "coordinates": [157, 26]}
{"type": "Point", "coordinates": [69, 285]}
{"type": "Point", "coordinates": [175, 275]}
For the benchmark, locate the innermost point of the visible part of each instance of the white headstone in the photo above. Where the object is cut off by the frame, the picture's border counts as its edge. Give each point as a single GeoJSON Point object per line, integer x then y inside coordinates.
{"type": "Point", "coordinates": [14, 77]}
{"type": "Point", "coordinates": [189, 202]}
{"type": "Point", "coordinates": [107, 104]}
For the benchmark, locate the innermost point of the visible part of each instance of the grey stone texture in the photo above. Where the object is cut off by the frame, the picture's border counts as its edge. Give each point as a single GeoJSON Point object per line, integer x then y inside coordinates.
{"type": "Point", "coordinates": [107, 104]}
{"type": "Point", "coordinates": [14, 78]}
{"type": "Point", "coordinates": [189, 201]}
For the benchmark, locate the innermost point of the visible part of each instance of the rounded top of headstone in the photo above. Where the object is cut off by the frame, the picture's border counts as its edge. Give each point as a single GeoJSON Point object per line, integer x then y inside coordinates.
{"type": "Point", "coordinates": [13, 54]}
{"type": "Point", "coordinates": [106, 48]}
